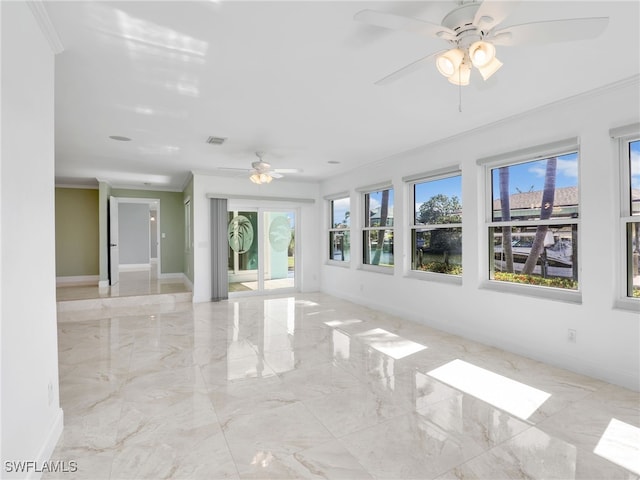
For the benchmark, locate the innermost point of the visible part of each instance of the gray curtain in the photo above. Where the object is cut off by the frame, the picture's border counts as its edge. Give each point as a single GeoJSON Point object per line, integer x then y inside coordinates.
{"type": "Point", "coordinates": [219, 250]}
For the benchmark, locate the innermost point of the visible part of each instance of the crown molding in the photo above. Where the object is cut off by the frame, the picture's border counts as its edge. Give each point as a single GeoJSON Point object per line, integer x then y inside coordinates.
{"type": "Point", "coordinates": [39, 11]}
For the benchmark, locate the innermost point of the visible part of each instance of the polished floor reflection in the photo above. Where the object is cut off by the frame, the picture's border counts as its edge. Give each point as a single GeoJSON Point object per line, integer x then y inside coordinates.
{"type": "Point", "coordinates": [311, 386]}
{"type": "Point", "coordinates": [132, 283]}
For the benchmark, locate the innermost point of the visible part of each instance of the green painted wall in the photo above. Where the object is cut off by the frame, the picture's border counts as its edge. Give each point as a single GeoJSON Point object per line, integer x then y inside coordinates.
{"type": "Point", "coordinates": [171, 224]}
{"type": "Point", "coordinates": [187, 196]}
{"type": "Point", "coordinates": [77, 232]}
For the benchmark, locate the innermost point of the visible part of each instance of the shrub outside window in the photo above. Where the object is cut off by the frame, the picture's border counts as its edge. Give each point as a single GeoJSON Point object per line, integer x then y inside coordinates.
{"type": "Point", "coordinates": [436, 232]}
{"type": "Point", "coordinates": [631, 216]}
{"type": "Point", "coordinates": [533, 228]}
{"type": "Point", "coordinates": [339, 230]}
{"type": "Point", "coordinates": [377, 234]}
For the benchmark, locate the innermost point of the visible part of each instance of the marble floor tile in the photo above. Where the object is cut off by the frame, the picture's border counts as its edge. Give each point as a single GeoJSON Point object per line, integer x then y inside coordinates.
{"type": "Point", "coordinates": [278, 432]}
{"type": "Point", "coordinates": [312, 386]}
{"type": "Point", "coordinates": [431, 440]}
{"type": "Point", "coordinates": [534, 454]}
{"type": "Point", "coordinates": [362, 405]}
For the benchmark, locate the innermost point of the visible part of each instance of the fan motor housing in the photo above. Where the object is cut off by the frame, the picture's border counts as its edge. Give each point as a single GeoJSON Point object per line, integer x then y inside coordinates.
{"type": "Point", "coordinates": [460, 20]}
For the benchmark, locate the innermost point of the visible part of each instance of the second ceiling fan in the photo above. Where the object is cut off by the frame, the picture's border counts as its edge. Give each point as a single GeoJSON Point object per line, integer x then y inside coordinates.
{"type": "Point", "coordinates": [261, 172]}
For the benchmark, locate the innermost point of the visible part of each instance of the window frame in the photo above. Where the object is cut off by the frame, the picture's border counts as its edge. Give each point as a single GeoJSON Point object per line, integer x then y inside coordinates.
{"type": "Point", "coordinates": [364, 191]}
{"type": "Point", "coordinates": [410, 183]}
{"type": "Point", "coordinates": [331, 230]}
{"type": "Point", "coordinates": [526, 155]}
{"type": "Point", "coordinates": [624, 137]}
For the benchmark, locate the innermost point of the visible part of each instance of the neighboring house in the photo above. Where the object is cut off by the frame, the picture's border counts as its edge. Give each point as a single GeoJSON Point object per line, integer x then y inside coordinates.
{"type": "Point", "coordinates": [526, 205]}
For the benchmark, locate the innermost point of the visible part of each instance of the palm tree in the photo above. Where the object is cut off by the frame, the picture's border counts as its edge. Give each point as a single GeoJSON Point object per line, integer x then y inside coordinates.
{"type": "Point", "coordinates": [384, 213]}
{"type": "Point", "coordinates": [505, 208]}
{"type": "Point", "coordinates": [546, 209]}
{"type": "Point", "coordinates": [240, 234]}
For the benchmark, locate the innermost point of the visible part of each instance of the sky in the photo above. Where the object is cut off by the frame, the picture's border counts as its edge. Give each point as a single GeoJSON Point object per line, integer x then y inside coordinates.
{"type": "Point", "coordinates": [340, 208]}
{"type": "Point", "coordinates": [635, 164]}
{"type": "Point", "coordinates": [451, 186]}
{"type": "Point", "coordinates": [529, 176]}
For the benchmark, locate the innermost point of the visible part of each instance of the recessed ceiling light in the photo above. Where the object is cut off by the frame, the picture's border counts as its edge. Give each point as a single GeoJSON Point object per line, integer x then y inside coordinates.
{"type": "Point", "coordinates": [119, 138]}
{"type": "Point", "coordinates": [333, 162]}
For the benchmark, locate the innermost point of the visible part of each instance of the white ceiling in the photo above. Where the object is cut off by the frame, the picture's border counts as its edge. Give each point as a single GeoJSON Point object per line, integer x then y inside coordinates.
{"type": "Point", "coordinates": [292, 79]}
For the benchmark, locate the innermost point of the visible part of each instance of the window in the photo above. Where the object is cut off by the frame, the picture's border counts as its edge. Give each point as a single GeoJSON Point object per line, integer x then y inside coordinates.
{"type": "Point", "coordinates": [339, 229]}
{"type": "Point", "coordinates": [631, 214]}
{"type": "Point", "coordinates": [436, 231]}
{"type": "Point", "coordinates": [377, 234]}
{"type": "Point", "coordinates": [533, 221]}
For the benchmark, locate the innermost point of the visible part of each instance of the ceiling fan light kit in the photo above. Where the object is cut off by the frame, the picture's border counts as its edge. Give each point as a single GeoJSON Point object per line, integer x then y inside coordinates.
{"type": "Point", "coordinates": [472, 33]}
{"type": "Point", "coordinates": [260, 178]}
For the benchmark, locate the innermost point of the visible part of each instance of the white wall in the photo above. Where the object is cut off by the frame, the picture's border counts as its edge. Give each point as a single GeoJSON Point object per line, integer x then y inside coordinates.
{"type": "Point", "coordinates": [309, 224]}
{"type": "Point", "coordinates": [608, 339]}
{"type": "Point", "coordinates": [30, 416]}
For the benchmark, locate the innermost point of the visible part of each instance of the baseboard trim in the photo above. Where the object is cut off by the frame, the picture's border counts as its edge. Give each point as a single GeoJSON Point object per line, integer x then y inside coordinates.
{"type": "Point", "coordinates": [134, 267]}
{"type": "Point", "coordinates": [78, 280]}
{"type": "Point", "coordinates": [103, 284]}
{"type": "Point", "coordinates": [170, 275]}
{"type": "Point", "coordinates": [44, 455]}
{"type": "Point", "coordinates": [187, 282]}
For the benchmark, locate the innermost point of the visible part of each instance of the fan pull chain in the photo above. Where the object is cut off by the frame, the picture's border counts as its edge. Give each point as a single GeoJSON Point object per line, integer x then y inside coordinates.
{"type": "Point", "coordinates": [459, 92]}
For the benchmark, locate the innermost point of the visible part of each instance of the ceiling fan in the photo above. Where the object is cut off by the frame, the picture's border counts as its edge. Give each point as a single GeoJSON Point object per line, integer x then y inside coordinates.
{"type": "Point", "coordinates": [261, 171]}
{"type": "Point", "coordinates": [472, 31]}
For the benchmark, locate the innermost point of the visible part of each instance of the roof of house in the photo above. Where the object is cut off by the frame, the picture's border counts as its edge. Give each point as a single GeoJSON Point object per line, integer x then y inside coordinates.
{"type": "Point", "coordinates": [564, 196]}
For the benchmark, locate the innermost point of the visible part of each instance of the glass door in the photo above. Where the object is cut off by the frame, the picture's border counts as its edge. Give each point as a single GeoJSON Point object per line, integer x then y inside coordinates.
{"type": "Point", "coordinates": [261, 252]}
{"type": "Point", "coordinates": [279, 250]}
{"type": "Point", "coordinates": [242, 236]}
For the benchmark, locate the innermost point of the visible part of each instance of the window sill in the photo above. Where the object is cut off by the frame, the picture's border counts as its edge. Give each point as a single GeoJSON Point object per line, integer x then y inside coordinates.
{"type": "Point", "coordinates": [626, 303]}
{"type": "Point", "coordinates": [547, 293]}
{"type": "Point", "coordinates": [435, 277]}
{"type": "Point", "coordinates": [334, 263]}
{"type": "Point", "coordinates": [377, 269]}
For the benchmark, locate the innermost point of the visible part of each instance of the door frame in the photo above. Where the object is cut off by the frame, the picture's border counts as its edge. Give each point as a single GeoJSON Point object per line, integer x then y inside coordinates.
{"type": "Point", "coordinates": [155, 202]}
{"type": "Point", "coordinates": [246, 206]}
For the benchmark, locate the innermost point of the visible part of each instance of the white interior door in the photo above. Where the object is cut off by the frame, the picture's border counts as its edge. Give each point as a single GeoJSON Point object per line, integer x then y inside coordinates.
{"type": "Point", "coordinates": [114, 253]}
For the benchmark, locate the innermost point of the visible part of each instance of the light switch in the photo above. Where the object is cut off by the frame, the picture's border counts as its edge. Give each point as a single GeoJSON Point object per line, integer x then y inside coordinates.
{"type": "Point", "coordinates": [164, 235]}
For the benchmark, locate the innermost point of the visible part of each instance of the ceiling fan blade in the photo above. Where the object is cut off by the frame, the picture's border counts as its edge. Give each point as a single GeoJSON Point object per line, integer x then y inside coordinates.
{"type": "Point", "coordinates": [408, 69]}
{"type": "Point", "coordinates": [238, 170]}
{"type": "Point", "coordinates": [275, 174]}
{"type": "Point", "coordinates": [407, 24]}
{"type": "Point", "coordinates": [491, 13]}
{"type": "Point", "coordinates": [539, 33]}
{"type": "Point", "coordinates": [287, 170]}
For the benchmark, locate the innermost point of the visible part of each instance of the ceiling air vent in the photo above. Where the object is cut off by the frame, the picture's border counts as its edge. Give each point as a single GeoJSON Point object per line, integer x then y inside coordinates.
{"type": "Point", "coordinates": [216, 140]}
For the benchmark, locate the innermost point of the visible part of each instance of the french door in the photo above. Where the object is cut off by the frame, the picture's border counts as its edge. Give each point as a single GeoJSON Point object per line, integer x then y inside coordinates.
{"type": "Point", "coordinates": [261, 249]}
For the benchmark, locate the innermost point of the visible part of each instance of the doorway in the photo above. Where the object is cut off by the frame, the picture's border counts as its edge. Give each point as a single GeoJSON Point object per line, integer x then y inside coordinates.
{"type": "Point", "coordinates": [261, 249]}
{"type": "Point", "coordinates": [134, 232]}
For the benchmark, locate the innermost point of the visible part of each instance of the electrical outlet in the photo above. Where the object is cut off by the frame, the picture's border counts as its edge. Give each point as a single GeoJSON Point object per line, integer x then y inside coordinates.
{"type": "Point", "coordinates": [571, 335]}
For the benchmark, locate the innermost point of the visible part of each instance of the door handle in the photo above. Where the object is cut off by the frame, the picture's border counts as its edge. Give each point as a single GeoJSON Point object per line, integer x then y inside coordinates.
{"type": "Point", "coordinates": [113, 244]}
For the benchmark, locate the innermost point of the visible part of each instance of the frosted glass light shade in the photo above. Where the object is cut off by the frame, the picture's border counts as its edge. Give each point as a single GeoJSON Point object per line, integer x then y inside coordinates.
{"type": "Point", "coordinates": [481, 53]}
{"type": "Point", "coordinates": [491, 68]}
{"type": "Point", "coordinates": [449, 61]}
{"type": "Point", "coordinates": [461, 76]}
{"type": "Point", "coordinates": [261, 178]}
